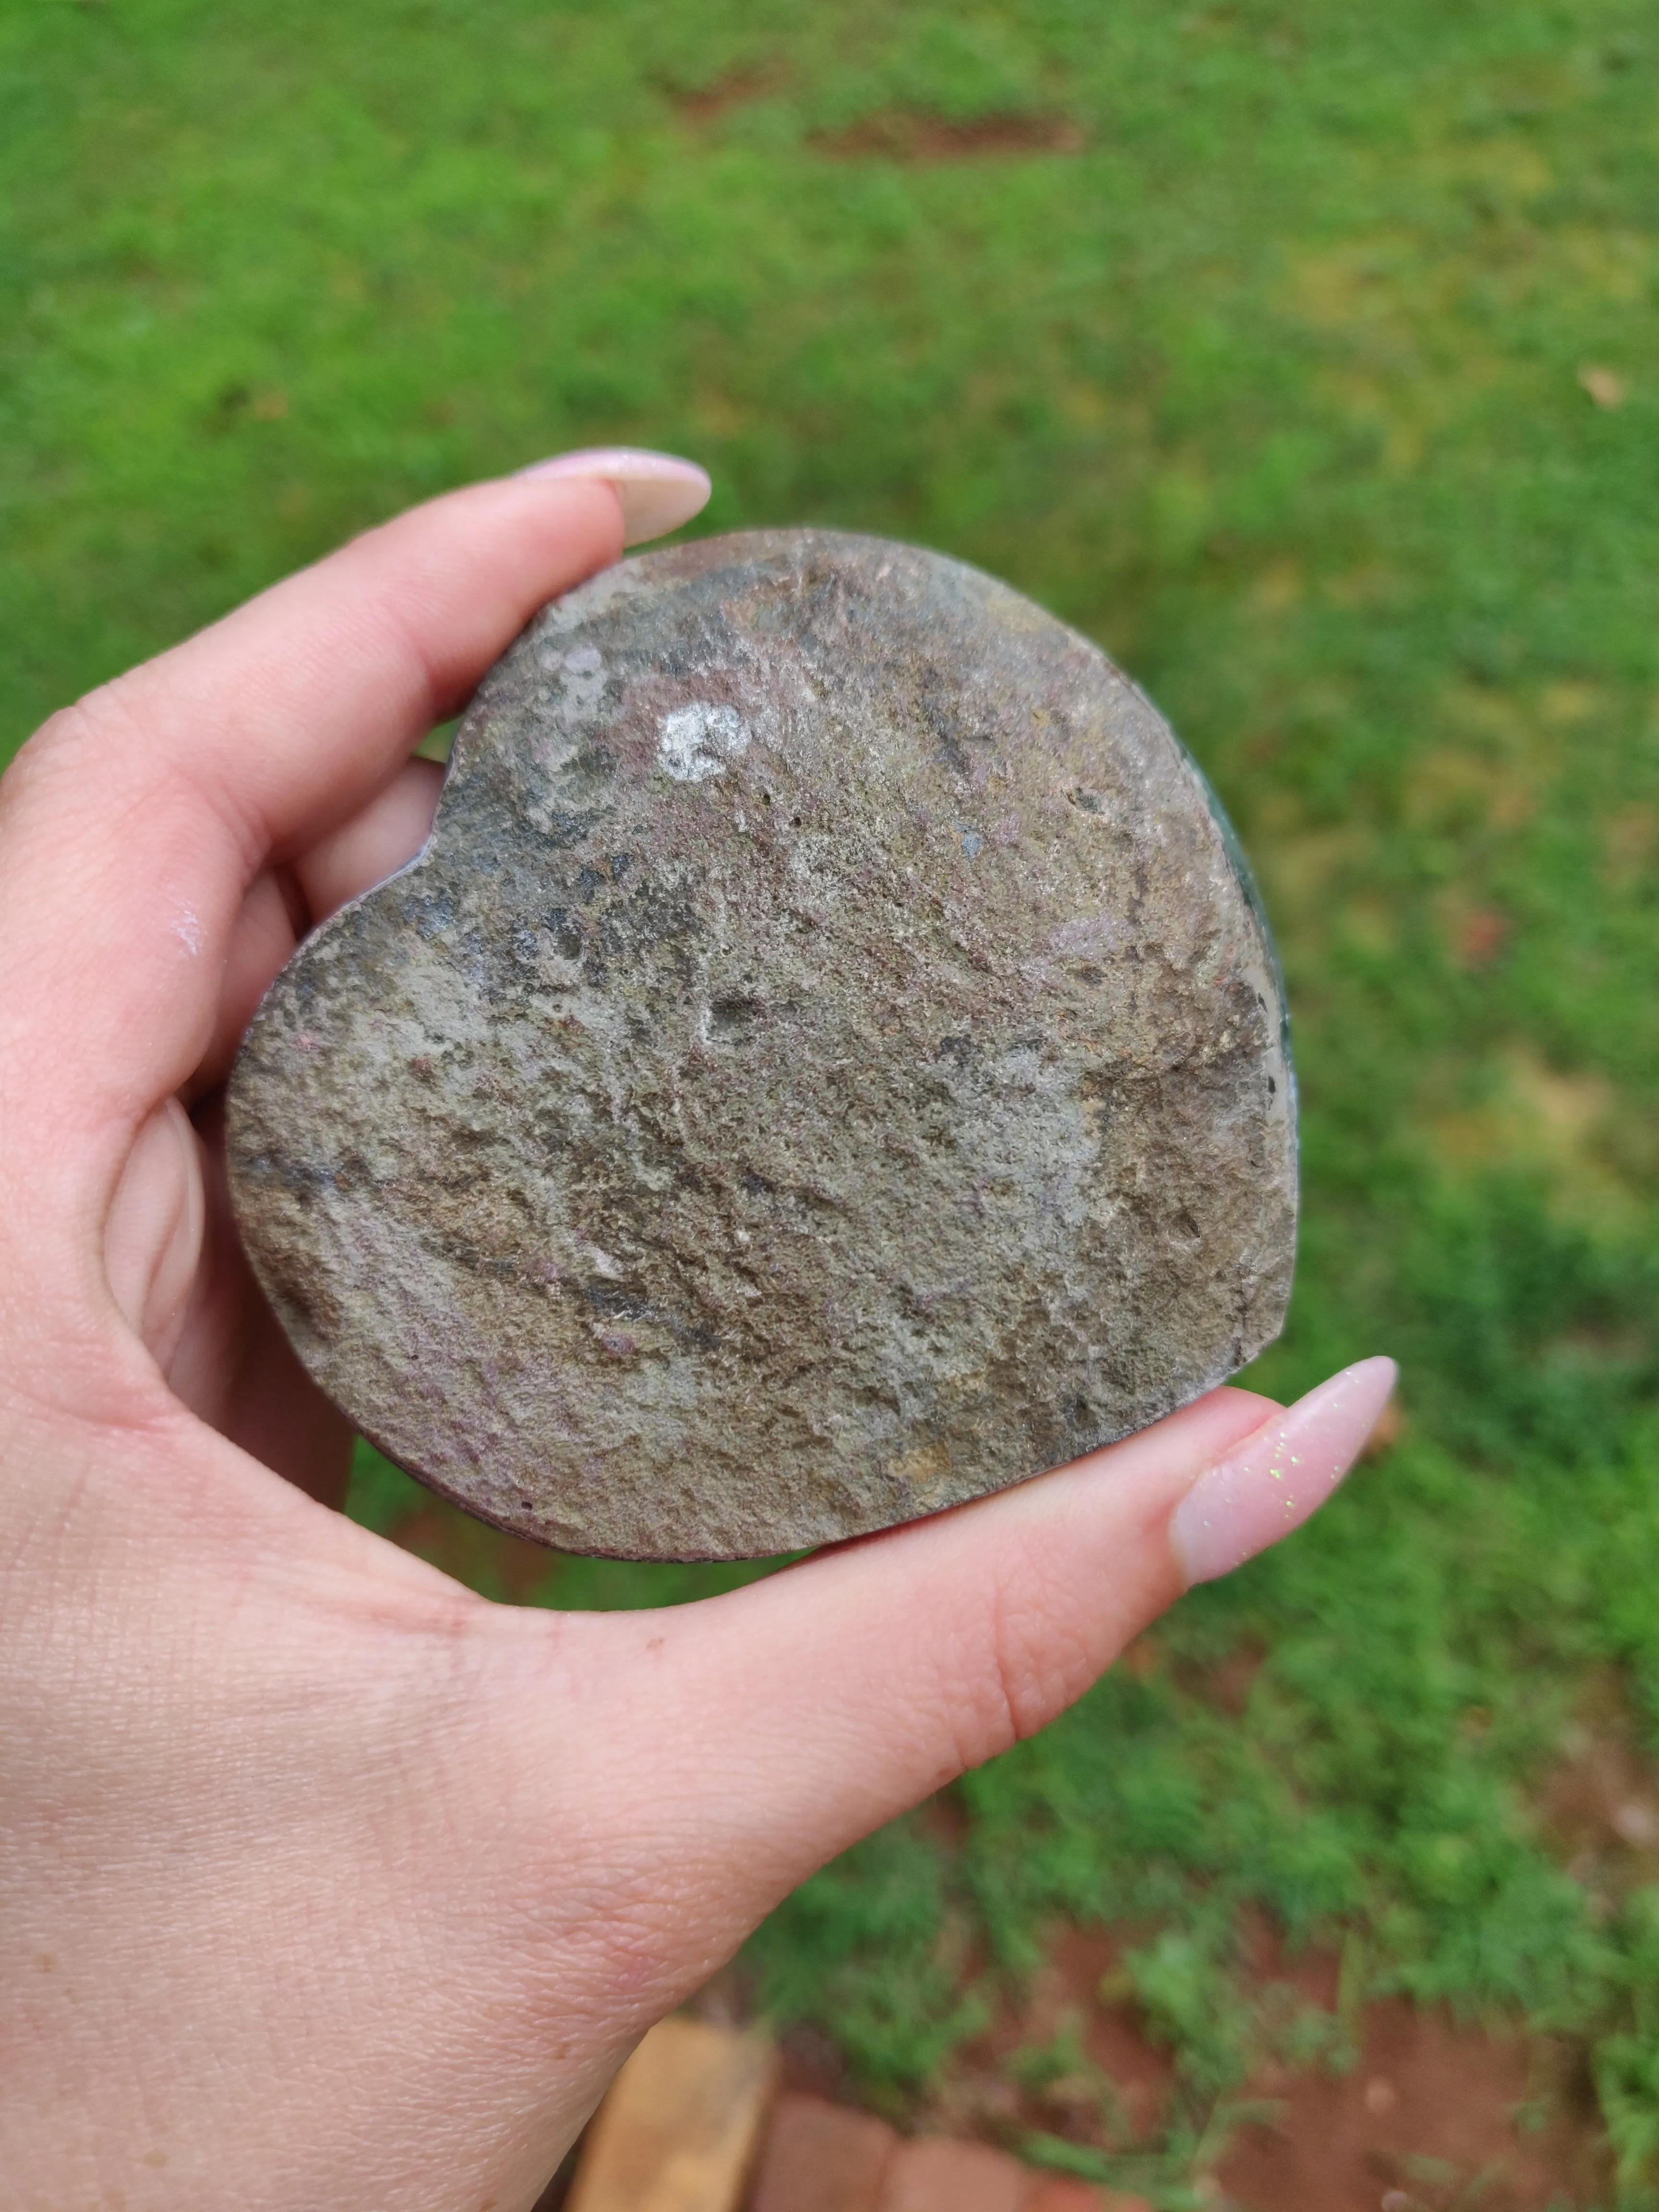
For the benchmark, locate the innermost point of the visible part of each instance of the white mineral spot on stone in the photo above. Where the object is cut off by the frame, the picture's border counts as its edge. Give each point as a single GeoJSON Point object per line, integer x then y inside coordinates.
{"type": "Point", "coordinates": [581, 674]}
{"type": "Point", "coordinates": [695, 742]}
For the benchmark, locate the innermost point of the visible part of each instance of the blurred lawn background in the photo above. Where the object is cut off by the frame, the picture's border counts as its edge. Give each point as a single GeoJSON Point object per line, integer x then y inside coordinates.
{"type": "Point", "coordinates": [1308, 357]}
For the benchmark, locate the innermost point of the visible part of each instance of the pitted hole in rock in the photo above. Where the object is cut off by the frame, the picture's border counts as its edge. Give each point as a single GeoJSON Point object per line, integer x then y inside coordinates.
{"type": "Point", "coordinates": [734, 1016]}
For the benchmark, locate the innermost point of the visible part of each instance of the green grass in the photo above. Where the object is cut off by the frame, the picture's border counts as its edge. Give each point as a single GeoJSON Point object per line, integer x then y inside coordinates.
{"type": "Point", "coordinates": [1251, 341]}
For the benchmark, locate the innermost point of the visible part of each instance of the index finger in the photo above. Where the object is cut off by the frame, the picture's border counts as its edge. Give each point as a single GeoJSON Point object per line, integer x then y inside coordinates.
{"type": "Point", "coordinates": [132, 825]}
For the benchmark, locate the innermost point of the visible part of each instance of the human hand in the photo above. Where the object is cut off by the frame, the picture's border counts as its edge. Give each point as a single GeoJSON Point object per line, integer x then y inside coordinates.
{"type": "Point", "coordinates": [323, 1883]}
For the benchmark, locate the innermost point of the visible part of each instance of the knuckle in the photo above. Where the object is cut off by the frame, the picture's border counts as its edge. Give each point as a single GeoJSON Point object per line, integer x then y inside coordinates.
{"type": "Point", "coordinates": [59, 759]}
{"type": "Point", "coordinates": [100, 718]}
{"type": "Point", "coordinates": [1020, 1660]}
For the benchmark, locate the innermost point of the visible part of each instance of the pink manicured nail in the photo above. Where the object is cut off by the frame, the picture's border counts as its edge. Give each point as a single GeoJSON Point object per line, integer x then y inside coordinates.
{"type": "Point", "coordinates": [657, 491]}
{"type": "Point", "coordinates": [1280, 1475]}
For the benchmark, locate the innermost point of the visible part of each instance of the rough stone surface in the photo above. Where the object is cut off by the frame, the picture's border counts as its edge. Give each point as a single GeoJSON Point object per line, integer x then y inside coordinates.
{"type": "Point", "coordinates": [829, 1063]}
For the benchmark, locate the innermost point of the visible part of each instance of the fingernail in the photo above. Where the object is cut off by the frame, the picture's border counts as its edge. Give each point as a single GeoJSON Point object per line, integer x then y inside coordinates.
{"type": "Point", "coordinates": [1280, 1475]}
{"type": "Point", "coordinates": [657, 491]}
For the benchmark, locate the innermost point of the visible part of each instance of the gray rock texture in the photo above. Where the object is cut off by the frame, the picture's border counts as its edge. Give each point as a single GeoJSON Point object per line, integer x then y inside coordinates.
{"type": "Point", "coordinates": [827, 1063]}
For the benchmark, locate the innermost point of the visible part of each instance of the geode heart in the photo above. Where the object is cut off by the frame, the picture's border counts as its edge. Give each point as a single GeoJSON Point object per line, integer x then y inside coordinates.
{"type": "Point", "coordinates": [827, 1063]}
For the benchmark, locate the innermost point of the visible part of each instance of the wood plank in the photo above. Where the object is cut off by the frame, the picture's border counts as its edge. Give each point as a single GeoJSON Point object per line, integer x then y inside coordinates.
{"type": "Point", "coordinates": [680, 2126]}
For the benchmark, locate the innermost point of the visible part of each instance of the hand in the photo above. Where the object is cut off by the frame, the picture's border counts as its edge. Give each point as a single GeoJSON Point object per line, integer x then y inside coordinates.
{"type": "Point", "coordinates": [322, 1881]}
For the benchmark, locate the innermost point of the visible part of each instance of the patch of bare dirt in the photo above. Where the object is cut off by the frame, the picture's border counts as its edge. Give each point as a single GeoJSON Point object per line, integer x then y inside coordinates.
{"type": "Point", "coordinates": [1068, 2059]}
{"type": "Point", "coordinates": [736, 88]}
{"type": "Point", "coordinates": [1435, 2118]}
{"type": "Point", "coordinates": [917, 137]}
{"type": "Point", "coordinates": [1599, 1807]}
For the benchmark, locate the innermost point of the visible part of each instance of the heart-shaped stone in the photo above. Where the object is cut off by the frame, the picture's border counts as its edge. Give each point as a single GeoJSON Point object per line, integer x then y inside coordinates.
{"type": "Point", "coordinates": [827, 1063]}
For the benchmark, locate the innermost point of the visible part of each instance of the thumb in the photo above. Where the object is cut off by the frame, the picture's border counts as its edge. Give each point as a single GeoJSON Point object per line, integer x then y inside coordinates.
{"type": "Point", "coordinates": [788, 1719]}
